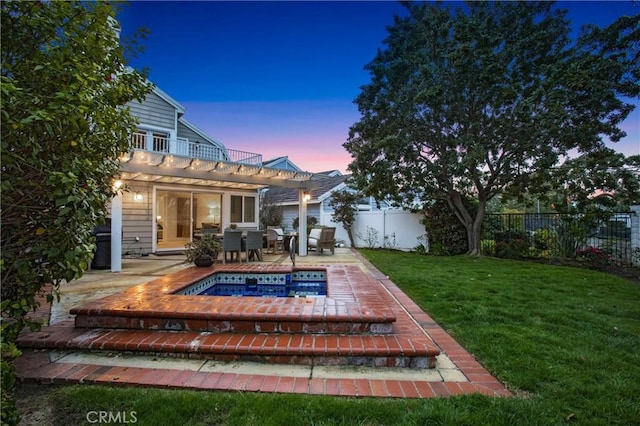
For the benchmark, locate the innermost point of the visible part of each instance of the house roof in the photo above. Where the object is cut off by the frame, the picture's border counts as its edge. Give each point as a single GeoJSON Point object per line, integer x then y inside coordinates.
{"type": "Point", "coordinates": [319, 186]}
{"type": "Point", "coordinates": [288, 164]}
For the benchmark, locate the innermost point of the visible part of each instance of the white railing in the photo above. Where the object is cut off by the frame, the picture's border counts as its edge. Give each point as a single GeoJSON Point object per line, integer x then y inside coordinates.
{"type": "Point", "coordinates": [187, 148]}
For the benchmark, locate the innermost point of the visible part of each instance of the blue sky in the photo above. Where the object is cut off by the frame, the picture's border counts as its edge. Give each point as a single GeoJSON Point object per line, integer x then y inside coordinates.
{"type": "Point", "coordinates": [279, 78]}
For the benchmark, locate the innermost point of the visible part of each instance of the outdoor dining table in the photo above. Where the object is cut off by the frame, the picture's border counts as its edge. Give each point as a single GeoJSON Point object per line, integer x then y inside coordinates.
{"type": "Point", "coordinates": [253, 253]}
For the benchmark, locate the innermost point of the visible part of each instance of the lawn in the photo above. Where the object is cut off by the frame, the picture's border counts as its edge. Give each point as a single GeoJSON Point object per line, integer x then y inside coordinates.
{"type": "Point", "coordinates": [565, 341]}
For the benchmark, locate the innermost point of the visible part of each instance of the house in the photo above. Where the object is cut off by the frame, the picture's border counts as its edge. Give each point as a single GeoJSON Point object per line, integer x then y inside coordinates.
{"type": "Point", "coordinates": [319, 189]}
{"type": "Point", "coordinates": [177, 179]}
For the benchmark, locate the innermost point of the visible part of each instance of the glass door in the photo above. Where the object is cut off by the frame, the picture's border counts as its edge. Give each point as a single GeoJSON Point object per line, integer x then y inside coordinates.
{"type": "Point", "coordinates": [181, 214]}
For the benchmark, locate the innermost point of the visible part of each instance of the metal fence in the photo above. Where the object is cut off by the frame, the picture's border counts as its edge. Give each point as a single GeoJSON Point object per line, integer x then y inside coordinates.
{"type": "Point", "coordinates": [552, 235]}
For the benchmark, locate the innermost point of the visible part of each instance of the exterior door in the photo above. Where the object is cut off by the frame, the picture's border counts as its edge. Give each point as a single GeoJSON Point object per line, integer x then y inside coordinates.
{"type": "Point", "coordinates": [181, 214]}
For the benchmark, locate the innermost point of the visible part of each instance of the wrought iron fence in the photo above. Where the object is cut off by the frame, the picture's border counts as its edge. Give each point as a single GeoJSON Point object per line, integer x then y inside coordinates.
{"type": "Point", "coordinates": [553, 235]}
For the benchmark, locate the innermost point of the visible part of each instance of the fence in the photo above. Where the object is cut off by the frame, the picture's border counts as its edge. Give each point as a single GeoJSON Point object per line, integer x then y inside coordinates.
{"type": "Point", "coordinates": [518, 235]}
{"type": "Point", "coordinates": [397, 229]}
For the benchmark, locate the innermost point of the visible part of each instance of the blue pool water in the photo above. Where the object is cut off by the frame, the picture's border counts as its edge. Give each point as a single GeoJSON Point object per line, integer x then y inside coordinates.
{"type": "Point", "coordinates": [300, 283]}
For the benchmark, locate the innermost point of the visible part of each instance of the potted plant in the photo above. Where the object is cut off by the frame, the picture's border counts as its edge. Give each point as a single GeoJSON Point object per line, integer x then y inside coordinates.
{"type": "Point", "coordinates": [203, 251]}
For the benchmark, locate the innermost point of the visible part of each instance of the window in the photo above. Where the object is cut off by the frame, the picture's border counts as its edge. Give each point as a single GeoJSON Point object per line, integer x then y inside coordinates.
{"type": "Point", "coordinates": [243, 209]}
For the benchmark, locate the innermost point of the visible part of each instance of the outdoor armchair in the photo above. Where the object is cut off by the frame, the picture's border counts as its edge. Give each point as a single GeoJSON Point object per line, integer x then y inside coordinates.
{"type": "Point", "coordinates": [322, 238]}
{"type": "Point", "coordinates": [275, 239]}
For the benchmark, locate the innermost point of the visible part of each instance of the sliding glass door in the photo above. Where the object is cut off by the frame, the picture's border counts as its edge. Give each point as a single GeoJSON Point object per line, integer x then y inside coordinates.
{"type": "Point", "coordinates": [180, 214]}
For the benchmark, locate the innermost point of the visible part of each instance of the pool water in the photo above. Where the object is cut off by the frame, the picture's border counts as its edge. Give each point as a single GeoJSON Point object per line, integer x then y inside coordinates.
{"type": "Point", "coordinates": [299, 283]}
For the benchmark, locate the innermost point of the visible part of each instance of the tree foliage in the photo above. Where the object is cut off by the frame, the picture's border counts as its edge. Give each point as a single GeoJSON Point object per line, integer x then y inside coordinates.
{"type": "Point", "coordinates": [445, 234]}
{"type": "Point", "coordinates": [64, 127]}
{"type": "Point", "coordinates": [344, 210]}
{"type": "Point", "coordinates": [271, 213]}
{"type": "Point", "coordinates": [485, 98]}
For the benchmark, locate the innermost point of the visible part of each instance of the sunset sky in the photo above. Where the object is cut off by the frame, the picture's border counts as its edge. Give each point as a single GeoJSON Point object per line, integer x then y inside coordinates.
{"type": "Point", "coordinates": [279, 78]}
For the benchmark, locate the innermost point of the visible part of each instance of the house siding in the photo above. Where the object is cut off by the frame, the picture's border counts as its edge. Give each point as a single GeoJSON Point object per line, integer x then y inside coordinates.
{"type": "Point", "coordinates": [187, 133]}
{"type": "Point", "coordinates": [291, 212]}
{"type": "Point", "coordinates": [137, 219]}
{"type": "Point", "coordinates": [154, 111]}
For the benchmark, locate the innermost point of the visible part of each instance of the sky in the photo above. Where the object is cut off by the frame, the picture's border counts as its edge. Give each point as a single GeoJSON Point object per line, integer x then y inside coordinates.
{"type": "Point", "coordinates": [279, 77]}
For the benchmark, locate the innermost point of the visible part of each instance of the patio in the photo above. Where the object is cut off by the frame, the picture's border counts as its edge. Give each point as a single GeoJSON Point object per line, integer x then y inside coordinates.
{"type": "Point", "coordinates": [255, 360]}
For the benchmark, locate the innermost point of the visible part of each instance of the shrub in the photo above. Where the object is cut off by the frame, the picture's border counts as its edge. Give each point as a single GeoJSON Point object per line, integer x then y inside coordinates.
{"type": "Point", "coordinates": [447, 236]}
{"type": "Point", "coordinates": [595, 257]}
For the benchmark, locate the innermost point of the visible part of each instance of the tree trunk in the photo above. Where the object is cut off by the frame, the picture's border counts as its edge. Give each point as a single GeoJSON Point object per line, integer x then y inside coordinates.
{"type": "Point", "coordinates": [473, 225]}
{"type": "Point", "coordinates": [350, 234]}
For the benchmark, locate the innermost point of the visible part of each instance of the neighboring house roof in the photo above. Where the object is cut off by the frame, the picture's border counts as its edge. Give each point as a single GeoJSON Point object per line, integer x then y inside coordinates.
{"type": "Point", "coordinates": [320, 187]}
{"type": "Point", "coordinates": [331, 173]}
{"type": "Point", "coordinates": [282, 163]}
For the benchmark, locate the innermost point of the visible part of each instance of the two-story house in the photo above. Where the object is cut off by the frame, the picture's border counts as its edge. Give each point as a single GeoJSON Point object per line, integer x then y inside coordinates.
{"type": "Point", "coordinates": [178, 179]}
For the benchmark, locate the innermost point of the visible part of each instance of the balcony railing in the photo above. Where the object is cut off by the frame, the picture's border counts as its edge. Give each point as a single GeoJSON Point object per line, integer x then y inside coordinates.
{"type": "Point", "coordinates": [186, 148]}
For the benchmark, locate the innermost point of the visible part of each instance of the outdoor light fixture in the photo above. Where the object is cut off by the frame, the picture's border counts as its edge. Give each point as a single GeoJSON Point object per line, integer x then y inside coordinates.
{"type": "Point", "coordinates": [306, 196]}
{"type": "Point", "coordinates": [117, 185]}
{"type": "Point", "coordinates": [137, 197]}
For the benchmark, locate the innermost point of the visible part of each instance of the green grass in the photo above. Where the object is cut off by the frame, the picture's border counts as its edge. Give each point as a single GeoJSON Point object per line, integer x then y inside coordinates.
{"type": "Point", "coordinates": [565, 340]}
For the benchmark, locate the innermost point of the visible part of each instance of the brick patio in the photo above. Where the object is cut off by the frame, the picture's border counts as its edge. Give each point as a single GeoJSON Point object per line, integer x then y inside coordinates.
{"type": "Point", "coordinates": [284, 345]}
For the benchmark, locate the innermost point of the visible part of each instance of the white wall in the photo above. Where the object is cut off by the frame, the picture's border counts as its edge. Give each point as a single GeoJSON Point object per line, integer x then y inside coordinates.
{"type": "Point", "coordinates": [405, 225]}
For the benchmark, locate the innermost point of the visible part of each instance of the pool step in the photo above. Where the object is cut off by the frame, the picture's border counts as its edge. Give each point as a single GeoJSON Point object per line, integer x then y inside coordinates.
{"type": "Point", "coordinates": [303, 349]}
{"type": "Point", "coordinates": [319, 315]}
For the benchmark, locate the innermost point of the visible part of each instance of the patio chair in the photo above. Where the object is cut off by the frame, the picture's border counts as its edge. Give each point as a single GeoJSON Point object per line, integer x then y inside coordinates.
{"type": "Point", "coordinates": [231, 242]}
{"type": "Point", "coordinates": [275, 239]}
{"type": "Point", "coordinates": [322, 238]}
{"type": "Point", "coordinates": [253, 244]}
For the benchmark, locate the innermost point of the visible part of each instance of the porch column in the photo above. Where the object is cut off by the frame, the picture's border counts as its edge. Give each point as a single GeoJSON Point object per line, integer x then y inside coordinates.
{"type": "Point", "coordinates": [116, 233]}
{"type": "Point", "coordinates": [302, 223]}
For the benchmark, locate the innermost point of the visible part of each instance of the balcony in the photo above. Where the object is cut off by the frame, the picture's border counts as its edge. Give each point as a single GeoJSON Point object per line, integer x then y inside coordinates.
{"type": "Point", "coordinates": [196, 150]}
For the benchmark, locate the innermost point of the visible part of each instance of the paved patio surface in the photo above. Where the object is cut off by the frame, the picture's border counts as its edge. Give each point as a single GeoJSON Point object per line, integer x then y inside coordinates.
{"type": "Point", "coordinates": [456, 371]}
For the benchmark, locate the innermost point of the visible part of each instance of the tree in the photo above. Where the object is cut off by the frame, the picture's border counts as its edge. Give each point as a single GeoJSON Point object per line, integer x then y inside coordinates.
{"type": "Point", "coordinates": [271, 214]}
{"type": "Point", "coordinates": [64, 127]}
{"type": "Point", "coordinates": [471, 102]}
{"type": "Point", "coordinates": [344, 210]}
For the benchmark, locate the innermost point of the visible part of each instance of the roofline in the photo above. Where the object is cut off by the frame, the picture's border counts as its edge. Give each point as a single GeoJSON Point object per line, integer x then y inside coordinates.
{"type": "Point", "coordinates": [327, 194]}
{"type": "Point", "coordinates": [196, 129]}
{"type": "Point", "coordinates": [166, 97]}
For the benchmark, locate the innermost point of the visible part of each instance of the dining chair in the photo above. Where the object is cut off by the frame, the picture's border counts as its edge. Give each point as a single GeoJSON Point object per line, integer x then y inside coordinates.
{"type": "Point", "coordinates": [231, 243]}
{"type": "Point", "coordinates": [253, 244]}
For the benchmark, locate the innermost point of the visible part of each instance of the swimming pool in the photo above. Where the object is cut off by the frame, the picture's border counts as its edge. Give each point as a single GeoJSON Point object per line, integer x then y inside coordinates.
{"type": "Point", "coordinates": [297, 283]}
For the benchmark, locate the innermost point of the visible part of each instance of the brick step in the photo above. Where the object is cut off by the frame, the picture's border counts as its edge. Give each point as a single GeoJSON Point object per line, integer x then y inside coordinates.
{"type": "Point", "coordinates": [307, 349]}
{"type": "Point", "coordinates": [246, 315]}
{"type": "Point", "coordinates": [237, 326]}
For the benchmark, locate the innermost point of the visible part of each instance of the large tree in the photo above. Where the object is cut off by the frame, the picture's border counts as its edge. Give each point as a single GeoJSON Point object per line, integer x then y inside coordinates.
{"type": "Point", "coordinates": [465, 103]}
{"type": "Point", "coordinates": [64, 127]}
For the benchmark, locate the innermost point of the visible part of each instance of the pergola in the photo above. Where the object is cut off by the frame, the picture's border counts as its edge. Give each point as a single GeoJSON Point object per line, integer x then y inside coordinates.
{"type": "Point", "coordinates": [156, 167]}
